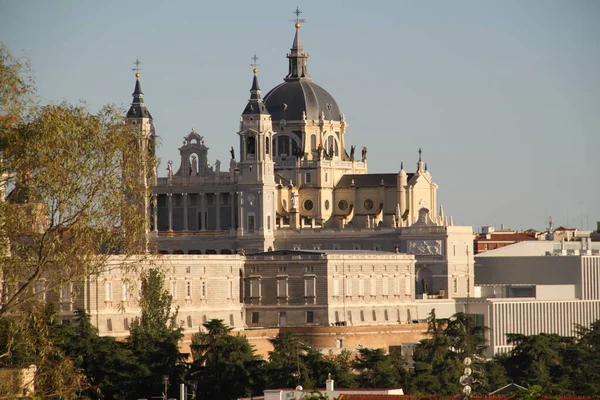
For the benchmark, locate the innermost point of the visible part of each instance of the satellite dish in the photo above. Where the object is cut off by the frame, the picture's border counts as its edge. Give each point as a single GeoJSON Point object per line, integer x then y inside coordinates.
{"type": "Point", "coordinates": [467, 390]}
{"type": "Point", "coordinates": [465, 380]}
{"type": "Point", "coordinates": [468, 371]}
{"type": "Point", "coordinates": [467, 361]}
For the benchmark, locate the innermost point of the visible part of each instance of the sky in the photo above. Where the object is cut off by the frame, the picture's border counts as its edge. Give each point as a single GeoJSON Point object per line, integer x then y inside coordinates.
{"type": "Point", "coordinates": [503, 97]}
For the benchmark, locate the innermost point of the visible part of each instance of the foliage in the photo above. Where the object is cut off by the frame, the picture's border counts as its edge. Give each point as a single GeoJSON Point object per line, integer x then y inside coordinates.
{"type": "Point", "coordinates": [287, 365]}
{"type": "Point", "coordinates": [225, 365]}
{"type": "Point", "coordinates": [377, 369]}
{"type": "Point", "coordinates": [75, 197]}
{"type": "Point", "coordinates": [154, 337]}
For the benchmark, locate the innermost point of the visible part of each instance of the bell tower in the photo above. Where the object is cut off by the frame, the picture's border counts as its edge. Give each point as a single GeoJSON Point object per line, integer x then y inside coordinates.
{"type": "Point", "coordinates": [256, 180]}
{"type": "Point", "coordinates": [141, 123]}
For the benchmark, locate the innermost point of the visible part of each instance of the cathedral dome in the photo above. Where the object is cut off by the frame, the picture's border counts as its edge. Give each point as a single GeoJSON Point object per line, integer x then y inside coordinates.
{"type": "Point", "coordinates": [299, 97]}
{"type": "Point", "coordinates": [291, 99]}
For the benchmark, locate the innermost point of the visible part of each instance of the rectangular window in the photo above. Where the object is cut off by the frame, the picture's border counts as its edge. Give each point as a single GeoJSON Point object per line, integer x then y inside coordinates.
{"type": "Point", "coordinates": [188, 289]}
{"type": "Point", "coordinates": [189, 321]}
{"type": "Point", "coordinates": [255, 287]}
{"type": "Point", "coordinates": [125, 296]}
{"type": "Point", "coordinates": [231, 321]}
{"type": "Point", "coordinates": [309, 287]}
{"type": "Point", "coordinates": [109, 325]}
{"type": "Point", "coordinates": [188, 269]}
{"type": "Point", "coordinates": [108, 291]}
{"type": "Point", "coordinates": [336, 287]}
{"type": "Point", "coordinates": [255, 317]}
{"type": "Point", "coordinates": [65, 293]}
{"type": "Point", "coordinates": [377, 247]}
{"type": "Point", "coordinates": [310, 317]}
{"type": "Point", "coordinates": [362, 316]}
{"type": "Point", "coordinates": [385, 315]}
{"type": "Point", "coordinates": [326, 177]}
{"type": "Point", "coordinates": [174, 289]}
{"type": "Point", "coordinates": [348, 286]}
{"type": "Point", "coordinates": [455, 285]}
{"type": "Point", "coordinates": [282, 287]}
{"type": "Point", "coordinates": [356, 247]}
{"type": "Point", "coordinates": [384, 286]}
{"type": "Point", "coordinates": [126, 324]}
{"type": "Point", "coordinates": [373, 287]}
{"type": "Point", "coordinates": [407, 286]}
{"type": "Point", "coordinates": [38, 289]}
{"type": "Point", "coordinates": [308, 177]}
{"type": "Point", "coordinates": [203, 289]}
{"type": "Point", "coordinates": [251, 223]}
{"type": "Point", "coordinates": [282, 318]}
{"type": "Point", "coordinates": [230, 289]}
{"type": "Point", "coordinates": [350, 316]}
{"type": "Point", "coordinates": [337, 316]}
{"type": "Point", "coordinates": [374, 315]}
{"type": "Point", "coordinates": [268, 222]}
{"type": "Point", "coordinates": [297, 247]}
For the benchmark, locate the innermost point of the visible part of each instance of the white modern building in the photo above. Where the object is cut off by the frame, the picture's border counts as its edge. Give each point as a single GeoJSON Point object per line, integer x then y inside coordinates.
{"type": "Point", "coordinates": [530, 288]}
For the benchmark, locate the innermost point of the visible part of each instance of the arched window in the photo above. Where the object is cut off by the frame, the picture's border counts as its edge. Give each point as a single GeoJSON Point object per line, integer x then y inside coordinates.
{"type": "Point", "coordinates": [251, 146]}
{"type": "Point", "coordinates": [267, 145]}
{"type": "Point", "coordinates": [313, 142]}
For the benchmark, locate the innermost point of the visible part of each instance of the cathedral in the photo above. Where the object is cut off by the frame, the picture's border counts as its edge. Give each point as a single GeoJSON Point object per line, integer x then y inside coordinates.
{"type": "Point", "coordinates": [293, 183]}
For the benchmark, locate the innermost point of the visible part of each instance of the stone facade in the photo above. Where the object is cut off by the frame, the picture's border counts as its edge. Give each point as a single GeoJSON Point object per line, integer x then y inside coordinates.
{"type": "Point", "coordinates": [299, 288]}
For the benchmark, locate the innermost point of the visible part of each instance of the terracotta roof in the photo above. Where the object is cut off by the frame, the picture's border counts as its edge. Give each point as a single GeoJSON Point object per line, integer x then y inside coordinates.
{"type": "Point", "coordinates": [512, 237]}
{"type": "Point", "coordinates": [562, 228]}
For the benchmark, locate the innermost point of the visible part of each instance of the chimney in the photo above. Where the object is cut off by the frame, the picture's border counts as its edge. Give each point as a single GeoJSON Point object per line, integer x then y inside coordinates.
{"type": "Point", "coordinates": [329, 387]}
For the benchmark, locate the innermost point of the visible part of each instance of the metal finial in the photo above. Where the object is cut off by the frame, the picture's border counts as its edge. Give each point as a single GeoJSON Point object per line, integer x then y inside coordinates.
{"type": "Point", "coordinates": [420, 154]}
{"type": "Point", "coordinates": [298, 20]}
{"type": "Point", "coordinates": [254, 64]}
{"type": "Point", "coordinates": [137, 68]}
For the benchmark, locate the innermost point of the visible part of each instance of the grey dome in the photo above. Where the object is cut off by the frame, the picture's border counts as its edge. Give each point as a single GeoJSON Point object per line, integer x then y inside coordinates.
{"type": "Point", "coordinates": [289, 99]}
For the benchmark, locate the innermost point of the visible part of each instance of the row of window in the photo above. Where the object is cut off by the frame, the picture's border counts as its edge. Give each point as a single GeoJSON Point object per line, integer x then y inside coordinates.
{"type": "Point", "coordinates": [310, 316]}
{"type": "Point", "coordinates": [187, 322]}
{"type": "Point", "coordinates": [125, 292]}
{"type": "Point", "coordinates": [359, 284]}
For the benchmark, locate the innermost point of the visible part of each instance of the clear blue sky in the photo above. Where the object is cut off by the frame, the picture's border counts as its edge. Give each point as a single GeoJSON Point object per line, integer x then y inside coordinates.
{"type": "Point", "coordinates": [503, 96]}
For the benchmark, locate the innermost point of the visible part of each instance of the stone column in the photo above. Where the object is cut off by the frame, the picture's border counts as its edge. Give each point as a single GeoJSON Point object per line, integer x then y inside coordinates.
{"type": "Point", "coordinates": [241, 213]}
{"type": "Point", "coordinates": [203, 211]}
{"type": "Point", "coordinates": [170, 201]}
{"type": "Point", "coordinates": [185, 211]}
{"type": "Point", "coordinates": [155, 211]}
{"type": "Point", "coordinates": [218, 201]}
{"type": "Point", "coordinates": [232, 196]}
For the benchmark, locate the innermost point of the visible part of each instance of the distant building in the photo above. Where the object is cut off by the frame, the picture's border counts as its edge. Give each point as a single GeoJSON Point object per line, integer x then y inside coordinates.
{"type": "Point", "coordinates": [529, 288]}
{"type": "Point", "coordinates": [490, 239]}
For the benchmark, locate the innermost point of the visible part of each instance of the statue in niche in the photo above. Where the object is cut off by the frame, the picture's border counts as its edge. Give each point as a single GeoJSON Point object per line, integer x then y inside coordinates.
{"type": "Point", "coordinates": [352, 151]}
{"type": "Point", "coordinates": [294, 200]}
{"type": "Point", "coordinates": [424, 285]}
{"type": "Point", "coordinates": [251, 146]}
{"type": "Point", "coordinates": [364, 153]}
{"type": "Point", "coordinates": [217, 167]}
{"type": "Point", "coordinates": [331, 151]}
{"type": "Point", "coordinates": [194, 167]}
{"type": "Point", "coordinates": [169, 169]}
{"type": "Point", "coordinates": [232, 152]}
{"type": "Point", "coordinates": [303, 115]}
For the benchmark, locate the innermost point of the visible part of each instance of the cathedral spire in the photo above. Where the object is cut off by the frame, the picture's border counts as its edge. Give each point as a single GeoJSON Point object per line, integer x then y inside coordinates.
{"type": "Point", "coordinates": [297, 55]}
{"type": "Point", "coordinates": [138, 108]}
{"type": "Point", "coordinates": [255, 104]}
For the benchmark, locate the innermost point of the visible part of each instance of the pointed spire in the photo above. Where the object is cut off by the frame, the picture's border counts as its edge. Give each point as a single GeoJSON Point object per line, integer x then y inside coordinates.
{"type": "Point", "coordinates": [255, 103]}
{"type": "Point", "coordinates": [297, 55]}
{"type": "Point", "coordinates": [420, 163]}
{"type": "Point", "coordinates": [401, 165]}
{"type": "Point", "coordinates": [442, 211]}
{"type": "Point", "coordinates": [138, 108]}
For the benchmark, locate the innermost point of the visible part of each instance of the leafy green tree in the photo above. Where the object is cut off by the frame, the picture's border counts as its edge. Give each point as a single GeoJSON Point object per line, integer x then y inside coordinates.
{"type": "Point", "coordinates": [286, 366]}
{"type": "Point", "coordinates": [380, 370]}
{"type": "Point", "coordinates": [583, 360]}
{"type": "Point", "coordinates": [154, 337]}
{"type": "Point", "coordinates": [342, 369]}
{"type": "Point", "coordinates": [72, 198]}
{"type": "Point", "coordinates": [110, 367]}
{"type": "Point", "coordinates": [225, 365]}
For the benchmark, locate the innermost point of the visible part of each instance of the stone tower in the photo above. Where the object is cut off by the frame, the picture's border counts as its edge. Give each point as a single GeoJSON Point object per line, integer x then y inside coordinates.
{"type": "Point", "coordinates": [141, 123]}
{"type": "Point", "coordinates": [256, 183]}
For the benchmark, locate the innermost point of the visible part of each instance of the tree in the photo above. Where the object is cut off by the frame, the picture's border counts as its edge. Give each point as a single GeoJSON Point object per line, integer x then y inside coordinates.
{"type": "Point", "coordinates": [154, 337]}
{"type": "Point", "coordinates": [225, 365]}
{"type": "Point", "coordinates": [379, 370]}
{"type": "Point", "coordinates": [74, 197]}
{"type": "Point", "coordinates": [286, 366]}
